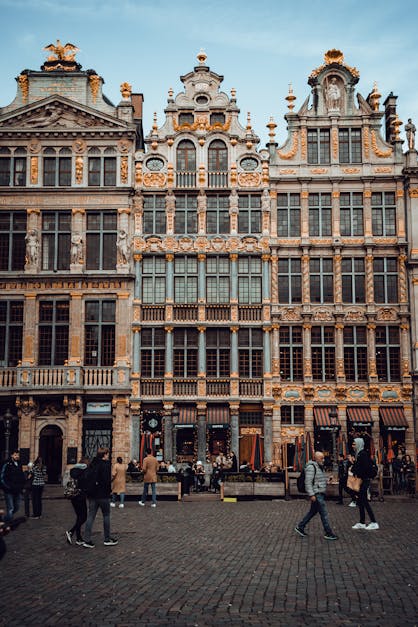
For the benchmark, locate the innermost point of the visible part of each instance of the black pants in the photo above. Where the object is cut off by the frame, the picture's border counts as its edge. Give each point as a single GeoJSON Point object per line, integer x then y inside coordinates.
{"type": "Point", "coordinates": [342, 486]}
{"type": "Point", "coordinates": [80, 507]}
{"type": "Point", "coordinates": [363, 503]}
{"type": "Point", "coordinates": [37, 500]}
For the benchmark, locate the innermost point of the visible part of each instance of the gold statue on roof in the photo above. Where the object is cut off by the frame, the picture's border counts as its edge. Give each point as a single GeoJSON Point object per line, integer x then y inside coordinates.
{"type": "Point", "coordinates": [62, 53]}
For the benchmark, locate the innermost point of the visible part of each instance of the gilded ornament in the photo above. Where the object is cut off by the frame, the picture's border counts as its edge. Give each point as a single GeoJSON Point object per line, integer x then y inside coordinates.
{"type": "Point", "coordinates": [292, 152]}
{"type": "Point", "coordinates": [376, 150]}
{"type": "Point", "coordinates": [287, 171]}
{"type": "Point", "coordinates": [397, 123]}
{"type": "Point", "coordinates": [124, 169]}
{"type": "Point", "coordinates": [233, 174]}
{"type": "Point", "coordinates": [126, 90]}
{"type": "Point", "coordinates": [124, 146]}
{"type": "Point", "coordinates": [413, 192]}
{"type": "Point", "coordinates": [79, 162]}
{"type": "Point", "coordinates": [374, 98]}
{"type": "Point", "coordinates": [383, 170]}
{"type": "Point", "coordinates": [304, 194]}
{"type": "Point", "coordinates": [24, 86]}
{"type": "Point", "coordinates": [290, 98]}
{"type": "Point", "coordinates": [336, 194]}
{"type": "Point", "coordinates": [334, 142]}
{"type": "Point", "coordinates": [334, 56]}
{"type": "Point", "coordinates": [138, 173]}
{"type": "Point", "coordinates": [170, 174]}
{"type": "Point", "coordinates": [399, 193]}
{"type": "Point", "coordinates": [249, 179]}
{"type": "Point", "coordinates": [272, 126]}
{"type": "Point", "coordinates": [367, 193]}
{"type": "Point", "coordinates": [34, 170]}
{"type": "Point", "coordinates": [94, 81]}
{"type": "Point", "coordinates": [366, 142]}
{"type": "Point", "coordinates": [319, 171]}
{"type": "Point", "coordinates": [351, 170]}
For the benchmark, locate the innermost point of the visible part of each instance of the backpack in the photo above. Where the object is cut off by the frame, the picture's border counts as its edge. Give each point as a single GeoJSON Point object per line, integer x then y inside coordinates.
{"type": "Point", "coordinates": [71, 489]}
{"type": "Point", "coordinates": [88, 480]}
{"type": "Point", "coordinates": [300, 481]}
{"type": "Point", "coordinates": [373, 470]}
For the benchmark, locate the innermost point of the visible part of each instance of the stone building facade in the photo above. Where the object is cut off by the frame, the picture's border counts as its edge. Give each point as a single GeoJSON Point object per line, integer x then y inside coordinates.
{"type": "Point", "coordinates": [197, 292]}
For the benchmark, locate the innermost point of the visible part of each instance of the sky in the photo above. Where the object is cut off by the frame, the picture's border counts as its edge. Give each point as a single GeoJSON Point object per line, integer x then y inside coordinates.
{"type": "Point", "coordinates": [259, 47]}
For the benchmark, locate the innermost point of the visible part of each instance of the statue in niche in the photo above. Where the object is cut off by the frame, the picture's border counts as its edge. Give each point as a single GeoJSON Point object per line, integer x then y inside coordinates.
{"type": "Point", "coordinates": [122, 246]}
{"type": "Point", "coordinates": [76, 248]}
{"type": "Point", "coordinates": [333, 95]}
{"type": "Point", "coordinates": [32, 247]}
{"type": "Point", "coordinates": [410, 129]}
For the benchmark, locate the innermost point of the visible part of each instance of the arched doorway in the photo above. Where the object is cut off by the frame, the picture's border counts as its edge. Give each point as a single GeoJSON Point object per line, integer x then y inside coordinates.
{"type": "Point", "coordinates": [50, 449]}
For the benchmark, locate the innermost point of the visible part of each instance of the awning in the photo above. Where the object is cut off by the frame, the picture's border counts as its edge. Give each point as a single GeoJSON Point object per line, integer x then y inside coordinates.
{"type": "Point", "coordinates": [322, 419]}
{"type": "Point", "coordinates": [393, 417]}
{"type": "Point", "coordinates": [360, 415]}
{"type": "Point", "coordinates": [187, 415]}
{"type": "Point", "coordinates": [218, 415]}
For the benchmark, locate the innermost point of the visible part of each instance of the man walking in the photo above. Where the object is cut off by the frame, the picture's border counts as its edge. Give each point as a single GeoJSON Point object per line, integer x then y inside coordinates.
{"type": "Point", "coordinates": [99, 496]}
{"type": "Point", "coordinates": [149, 467]}
{"type": "Point", "coordinates": [12, 481]}
{"type": "Point", "coordinates": [315, 486]}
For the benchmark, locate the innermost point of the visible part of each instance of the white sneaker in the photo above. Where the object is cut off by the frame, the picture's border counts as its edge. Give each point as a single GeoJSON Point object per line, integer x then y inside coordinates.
{"type": "Point", "coordinates": [371, 526]}
{"type": "Point", "coordinates": [153, 505]}
{"type": "Point", "coordinates": [352, 504]}
{"type": "Point", "coordinates": [141, 503]}
{"type": "Point", "coordinates": [121, 506]}
{"type": "Point", "coordinates": [359, 526]}
{"type": "Point", "coordinates": [113, 505]}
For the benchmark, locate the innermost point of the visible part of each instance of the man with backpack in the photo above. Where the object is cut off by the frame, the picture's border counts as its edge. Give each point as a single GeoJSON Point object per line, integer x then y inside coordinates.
{"type": "Point", "coordinates": [96, 483]}
{"type": "Point", "coordinates": [315, 486]}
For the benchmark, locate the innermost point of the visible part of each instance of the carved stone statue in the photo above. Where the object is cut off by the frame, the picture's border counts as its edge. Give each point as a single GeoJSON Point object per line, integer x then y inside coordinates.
{"type": "Point", "coordinates": [63, 53]}
{"type": "Point", "coordinates": [122, 246]}
{"type": "Point", "coordinates": [410, 129]}
{"type": "Point", "coordinates": [333, 94]}
{"type": "Point", "coordinates": [76, 248]}
{"type": "Point", "coordinates": [265, 200]}
{"type": "Point", "coordinates": [32, 247]}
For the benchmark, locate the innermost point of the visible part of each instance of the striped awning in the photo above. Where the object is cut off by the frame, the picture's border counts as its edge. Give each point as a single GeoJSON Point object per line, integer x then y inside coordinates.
{"type": "Point", "coordinates": [322, 419]}
{"type": "Point", "coordinates": [393, 417]}
{"type": "Point", "coordinates": [187, 415]}
{"type": "Point", "coordinates": [360, 415]}
{"type": "Point", "coordinates": [218, 415]}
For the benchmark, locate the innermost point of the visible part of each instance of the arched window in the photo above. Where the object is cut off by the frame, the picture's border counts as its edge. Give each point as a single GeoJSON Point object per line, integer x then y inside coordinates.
{"type": "Point", "coordinates": [218, 164]}
{"type": "Point", "coordinates": [186, 156]}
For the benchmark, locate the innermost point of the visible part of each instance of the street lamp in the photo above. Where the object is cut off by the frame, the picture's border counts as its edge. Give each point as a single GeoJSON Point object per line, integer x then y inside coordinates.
{"type": "Point", "coordinates": [7, 420]}
{"type": "Point", "coordinates": [333, 417]}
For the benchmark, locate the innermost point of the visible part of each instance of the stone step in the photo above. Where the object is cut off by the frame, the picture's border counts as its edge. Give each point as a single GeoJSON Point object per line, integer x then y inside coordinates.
{"type": "Point", "coordinates": [200, 496]}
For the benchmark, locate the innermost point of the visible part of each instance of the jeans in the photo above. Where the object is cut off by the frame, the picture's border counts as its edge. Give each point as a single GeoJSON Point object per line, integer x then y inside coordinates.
{"type": "Point", "coordinates": [12, 504]}
{"type": "Point", "coordinates": [37, 500]}
{"type": "Point", "coordinates": [80, 507]}
{"type": "Point", "coordinates": [153, 492]}
{"type": "Point", "coordinates": [317, 506]}
{"type": "Point", "coordinates": [121, 497]}
{"type": "Point", "coordinates": [94, 505]}
{"type": "Point", "coordinates": [363, 503]}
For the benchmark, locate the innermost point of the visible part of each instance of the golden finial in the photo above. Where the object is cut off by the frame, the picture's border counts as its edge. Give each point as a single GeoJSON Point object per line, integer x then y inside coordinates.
{"type": "Point", "coordinates": [375, 97]}
{"type": "Point", "coordinates": [397, 123]}
{"type": "Point", "coordinates": [249, 128]}
{"type": "Point", "coordinates": [202, 56]}
{"type": "Point", "coordinates": [126, 90]}
{"type": "Point", "coordinates": [290, 98]}
{"type": "Point", "coordinates": [233, 92]}
{"type": "Point", "coordinates": [155, 125]}
{"type": "Point", "coordinates": [333, 56]}
{"type": "Point", "coordinates": [170, 92]}
{"type": "Point", "coordinates": [272, 126]}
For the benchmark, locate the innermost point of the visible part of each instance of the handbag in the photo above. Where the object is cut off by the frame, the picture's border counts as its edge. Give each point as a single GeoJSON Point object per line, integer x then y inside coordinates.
{"type": "Point", "coordinates": [354, 483]}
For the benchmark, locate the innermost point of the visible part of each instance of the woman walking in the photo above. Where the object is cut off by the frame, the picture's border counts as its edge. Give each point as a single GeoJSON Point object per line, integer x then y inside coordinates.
{"type": "Point", "coordinates": [362, 468]}
{"type": "Point", "coordinates": [38, 481]}
{"type": "Point", "coordinates": [119, 482]}
{"type": "Point", "coordinates": [79, 503]}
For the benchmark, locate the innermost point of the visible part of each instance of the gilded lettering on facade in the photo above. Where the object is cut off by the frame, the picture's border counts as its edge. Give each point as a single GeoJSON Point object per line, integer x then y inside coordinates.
{"type": "Point", "coordinates": [351, 170]}
{"type": "Point", "coordinates": [287, 171]}
{"type": "Point", "coordinates": [319, 171]}
{"type": "Point", "coordinates": [383, 170]}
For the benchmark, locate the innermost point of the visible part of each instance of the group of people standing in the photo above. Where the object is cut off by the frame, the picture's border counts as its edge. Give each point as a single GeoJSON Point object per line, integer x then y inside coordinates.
{"type": "Point", "coordinates": [28, 484]}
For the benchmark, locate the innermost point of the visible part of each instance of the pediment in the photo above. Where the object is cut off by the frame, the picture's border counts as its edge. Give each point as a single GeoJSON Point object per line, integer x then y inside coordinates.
{"type": "Point", "coordinates": [58, 113]}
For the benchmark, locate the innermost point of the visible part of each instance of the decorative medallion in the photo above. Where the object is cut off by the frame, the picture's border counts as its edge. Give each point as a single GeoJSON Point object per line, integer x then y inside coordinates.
{"type": "Point", "coordinates": [34, 146]}
{"type": "Point", "coordinates": [249, 179]}
{"type": "Point", "coordinates": [79, 146]}
{"type": "Point", "coordinates": [124, 146]}
{"type": "Point", "coordinates": [155, 179]}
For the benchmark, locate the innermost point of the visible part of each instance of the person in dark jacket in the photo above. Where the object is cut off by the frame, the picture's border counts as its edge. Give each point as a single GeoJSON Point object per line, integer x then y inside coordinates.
{"type": "Point", "coordinates": [343, 466]}
{"type": "Point", "coordinates": [79, 504]}
{"type": "Point", "coordinates": [100, 498]}
{"type": "Point", "coordinates": [362, 468]}
{"type": "Point", "coordinates": [38, 483]}
{"type": "Point", "coordinates": [12, 481]}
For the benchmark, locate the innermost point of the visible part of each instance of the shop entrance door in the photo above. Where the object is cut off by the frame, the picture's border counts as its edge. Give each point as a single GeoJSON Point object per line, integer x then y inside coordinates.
{"type": "Point", "coordinates": [50, 449]}
{"type": "Point", "coordinates": [245, 448]}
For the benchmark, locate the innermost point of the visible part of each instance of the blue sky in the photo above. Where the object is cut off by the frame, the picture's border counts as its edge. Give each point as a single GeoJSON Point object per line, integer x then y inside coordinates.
{"type": "Point", "coordinates": [259, 47]}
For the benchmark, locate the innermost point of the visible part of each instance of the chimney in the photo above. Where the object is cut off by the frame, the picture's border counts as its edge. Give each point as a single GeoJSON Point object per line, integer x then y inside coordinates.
{"type": "Point", "coordinates": [390, 116]}
{"type": "Point", "coordinates": [137, 101]}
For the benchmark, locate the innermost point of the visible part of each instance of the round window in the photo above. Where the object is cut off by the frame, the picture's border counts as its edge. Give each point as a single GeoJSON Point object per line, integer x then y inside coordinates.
{"type": "Point", "coordinates": [155, 164]}
{"type": "Point", "coordinates": [202, 100]}
{"type": "Point", "coordinates": [249, 164]}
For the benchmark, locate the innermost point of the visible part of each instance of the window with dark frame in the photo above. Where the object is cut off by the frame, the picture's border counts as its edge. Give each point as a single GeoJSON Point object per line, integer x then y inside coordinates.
{"type": "Point", "coordinates": [11, 332]}
{"type": "Point", "coordinates": [290, 280]}
{"type": "Point", "coordinates": [353, 279]}
{"type": "Point", "coordinates": [54, 324]}
{"type": "Point", "coordinates": [185, 279]}
{"type": "Point", "coordinates": [12, 240]}
{"type": "Point", "coordinates": [291, 353]}
{"type": "Point", "coordinates": [185, 220]}
{"type": "Point", "coordinates": [250, 353]}
{"type": "Point", "coordinates": [56, 240]}
{"type": "Point", "coordinates": [320, 214]}
{"type": "Point", "coordinates": [57, 167]}
{"type": "Point", "coordinates": [101, 167]}
{"type": "Point", "coordinates": [288, 215]}
{"type": "Point", "coordinates": [355, 353]}
{"type": "Point", "coordinates": [349, 142]}
{"type": "Point", "coordinates": [383, 214]}
{"type": "Point", "coordinates": [153, 280]}
{"type": "Point", "coordinates": [152, 352]}
{"type": "Point", "coordinates": [154, 217]}
{"type": "Point", "coordinates": [185, 352]}
{"type": "Point", "coordinates": [217, 214]}
{"type": "Point", "coordinates": [321, 280]}
{"type": "Point", "coordinates": [217, 279]}
{"type": "Point", "coordinates": [100, 333]}
{"type": "Point", "coordinates": [218, 351]}
{"type": "Point", "coordinates": [318, 146]}
{"type": "Point", "coordinates": [101, 236]}
{"type": "Point", "coordinates": [323, 353]}
{"type": "Point", "coordinates": [292, 414]}
{"type": "Point", "coordinates": [249, 216]}
{"type": "Point", "coordinates": [385, 276]}
{"type": "Point", "coordinates": [249, 280]}
{"type": "Point", "coordinates": [388, 353]}
{"type": "Point", "coordinates": [351, 214]}
{"type": "Point", "coordinates": [13, 167]}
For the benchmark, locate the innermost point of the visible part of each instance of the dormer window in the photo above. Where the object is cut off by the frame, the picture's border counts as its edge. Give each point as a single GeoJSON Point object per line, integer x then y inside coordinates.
{"type": "Point", "coordinates": [217, 118]}
{"type": "Point", "coordinates": [186, 118]}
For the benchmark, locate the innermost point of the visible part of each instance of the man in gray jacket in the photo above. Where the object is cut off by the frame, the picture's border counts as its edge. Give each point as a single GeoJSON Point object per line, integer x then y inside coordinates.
{"type": "Point", "coordinates": [316, 485]}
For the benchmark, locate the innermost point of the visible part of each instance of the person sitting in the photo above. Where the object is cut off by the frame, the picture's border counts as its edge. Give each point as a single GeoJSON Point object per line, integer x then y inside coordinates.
{"type": "Point", "coordinates": [199, 477]}
{"type": "Point", "coordinates": [163, 467]}
{"type": "Point", "coordinates": [133, 470]}
{"type": "Point", "coordinates": [245, 466]}
{"type": "Point", "coordinates": [170, 467]}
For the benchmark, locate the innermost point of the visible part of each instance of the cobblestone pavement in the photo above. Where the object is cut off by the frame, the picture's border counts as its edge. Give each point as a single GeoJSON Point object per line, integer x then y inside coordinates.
{"type": "Point", "coordinates": [203, 564]}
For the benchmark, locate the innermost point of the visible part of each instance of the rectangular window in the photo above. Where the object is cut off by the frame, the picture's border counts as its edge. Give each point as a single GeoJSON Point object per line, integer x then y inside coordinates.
{"type": "Point", "coordinates": [153, 280]}
{"type": "Point", "coordinates": [388, 354]}
{"type": "Point", "coordinates": [217, 280]}
{"type": "Point", "coordinates": [320, 215]}
{"type": "Point", "coordinates": [323, 353]}
{"type": "Point", "coordinates": [291, 353]}
{"type": "Point", "coordinates": [218, 350]}
{"type": "Point", "coordinates": [99, 343]}
{"type": "Point", "coordinates": [353, 280]}
{"type": "Point", "coordinates": [321, 279]}
{"type": "Point", "coordinates": [185, 221]}
{"type": "Point", "coordinates": [185, 344]}
{"type": "Point", "coordinates": [57, 171]}
{"type": "Point", "coordinates": [101, 171]}
{"type": "Point", "coordinates": [249, 216]}
{"type": "Point", "coordinates": [56, 240]}
{"type": "Point", "coordinates": [355, 353]}
{"type": "Point", "coordinates": [349, 140]}
{"type": "Point", "coordinates": [292, 414]}
{"type": "Point", "coordinates": [12, 240]}
{"type": "Point", "coordinates": [250, 353]}
{"type": "Point", "coordinates": [217, 215]}
{"type": "Point", "coordinates": [288, 215]}
{"type": "Point", "coordinates": [152, 352]}
{"type": "Point", "coordinates": [101, 240]}
{"type": "Point", "coordinates": [318, 146]}
{"type": "Point", "coordinates": [290, 280]}
{"type": "Point", "coordinates": [385, 271]}
{"type": "Point", "coordinates": [54, 324]}
{"type": "Point", "coordinates": [11, 332]}
{"type": "Point", "coordinates": [154, 222]}
{"type": "Point", "coordinates": [249, 280]}
{"type": "Point", "coordinates": [383, 213]}
{"type": "Point", "coordinates": [12, 171]}
{"type": "Point", "coordinates": [351, 213]}
{"type": "Point", "coordinates": [185, 279]}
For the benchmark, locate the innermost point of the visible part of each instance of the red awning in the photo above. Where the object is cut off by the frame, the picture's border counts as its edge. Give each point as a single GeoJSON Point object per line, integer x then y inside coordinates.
{"type": "Point", "coordinates": [360, 415]}
{"type": "Point", "coordinates": [393, 417]}
{"type": "Point", "coordinates": [187, 415]}
{"type": "Point", "coordinates": [322, 419]}
{"type": "Point", "coordinates": [218, 415]}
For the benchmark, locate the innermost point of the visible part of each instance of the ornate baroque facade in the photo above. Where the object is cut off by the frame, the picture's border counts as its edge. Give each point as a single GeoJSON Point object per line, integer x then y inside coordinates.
{"type": "Point", "coordinates": [198, 290]}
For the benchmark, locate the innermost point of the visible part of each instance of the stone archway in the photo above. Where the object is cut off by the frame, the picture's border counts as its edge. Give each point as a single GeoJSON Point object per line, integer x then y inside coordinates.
{"type": "Point", "coordinates": [50, 449]}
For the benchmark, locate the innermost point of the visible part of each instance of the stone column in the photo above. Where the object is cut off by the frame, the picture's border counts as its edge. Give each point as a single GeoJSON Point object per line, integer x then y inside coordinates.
{"type": "Point", "coordinates": [201, 432]}
{"type": "Point", "coordinates": [234, 413]}
{"type": "Point", "coordinates": [76, 329]}
{"type": "Point", "coordinates": [33, 241]}
{"type": "Point", "coordinates": [234, 277]}
{"type": "Point", "coordinates": [405, 350]}
{"type": "Point", "coordinates": [74, 433]}
{"type": "Point", "coordinates": [266, 278]}
{"type": "Point", "coordinates": [168, 376]}
{"type": "Point", "coordinates": [233, 212]}
{"type": "Point", "coordinates": [268, 434]}
{"type": "Point", "coordinates": [367, 210]}
{"type": "Point", "coordinates": [338, 290]}
{"type": "Point", "coordinates": [339, 351]}
{"type": "Point", "coordinates": [136, 350]}
{"type": "Point", "coordinates": [134, 428]}
{"type": "Point", "coordinates": [336, 211]}
{"type": "Point", "coordinates": [122, 328]}
{"type": "Point", "coordinates": [77, 240]}
{"type": "Point", "coordinates": [275, 351]}
{"type": "Point", "coordinates": [369, 277]}
{"type": "Point", "coordinates": [304, 213]}
{"type": "Point", "coordinates": [168, 433]}
{"type": "Point", "coordinates": [201, 373]}
{"type": "Point", "coordinates": [201, 213]}
{"type": "Point", "coordinates": [266, 350]}
{"type": "Point", "coordinates": [374, 410]}
{"type": "Point", "coordinates": [305, 279]}
{"type": "Point", "coordinates": [201, 288]}
{"type": "Point", "coordinates": [170, 278]}
{"type": "Point", "coordinates": [274, 278]}
{"type": "Point", "coordinates": [121, 436]}
{"type": "Point", "coordinates": [403, 287]}
{"type": "Point", "coordinates": [138, 277]}
{"type": "Point", "coordinates": [371, 348]}
{"type": "Point", "coordinates": [234, 351]}
{"type": "Point", "coordinates": [29, 328]}
{"type": "Point", "coordinates": [27, 410]}
{"type": "Point", "coordinates": [307, 360]}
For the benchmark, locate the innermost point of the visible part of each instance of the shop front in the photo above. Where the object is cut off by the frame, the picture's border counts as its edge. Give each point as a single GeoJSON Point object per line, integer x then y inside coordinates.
{"type": "Point", "coordinates": [251, 432]}
{"type": "Point", "coordinates": [393, 426]}
{"type": "Point", "coordinates": [218, 431]}
{"type": "Point", "coordinates": [326, 432]}
{"type": "Point", "coordinates": [151, 433]}
{"type": "Point", "coordinates": [97, 428]}
{"type": "Point", "coordinates": [359, 424]}
{"type": "Point", "coordinates": [288, 435]}
{"type": "Point", "coordinates": [185, 434]}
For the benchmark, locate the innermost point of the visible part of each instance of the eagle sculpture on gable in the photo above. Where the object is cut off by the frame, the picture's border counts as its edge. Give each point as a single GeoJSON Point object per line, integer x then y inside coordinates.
{"type": "Point", "coordinates": [62, 53]}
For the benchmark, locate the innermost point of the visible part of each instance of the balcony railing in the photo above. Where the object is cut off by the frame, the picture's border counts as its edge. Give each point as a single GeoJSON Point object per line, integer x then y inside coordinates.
{"type": "Point", "coordinates": [152, 387]}
{"type": "Point", "coordinates": [185, 387]}
{"type": "Point", "coordinates": [153, 313]}
{"type": "Point", "coordinates": [251, 387]}
{"type": "Point", "coordinates": [218, 313]}
{"type": "Point", "coordinates": [185, 313]}
{"type": "Point", "coordinates": [186, 179]}
{"type": "Point", "coordinates": [98, 377]}
{"type": "Point", "coordinates": [8, 377]}
{"type": "Point", "coordinates": [218, 179]}
{"type": "Point", "coordinates": [217, 387]}
{"type": "Point", "coordinates": [250, 313]}
{"type": "Point", "coordinates": [63, 377]}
